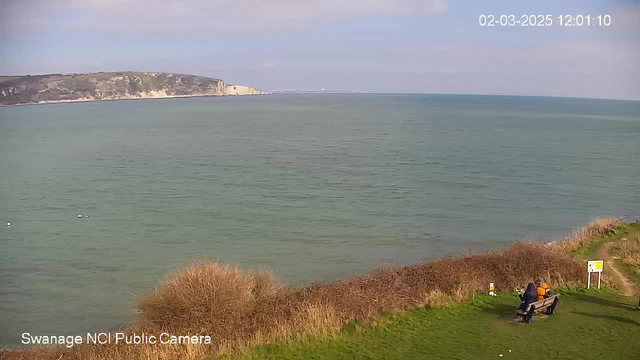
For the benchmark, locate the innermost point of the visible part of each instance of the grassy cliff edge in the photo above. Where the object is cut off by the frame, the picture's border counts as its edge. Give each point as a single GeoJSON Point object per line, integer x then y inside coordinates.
{"type": "Point", "coordinates": [241, 309]}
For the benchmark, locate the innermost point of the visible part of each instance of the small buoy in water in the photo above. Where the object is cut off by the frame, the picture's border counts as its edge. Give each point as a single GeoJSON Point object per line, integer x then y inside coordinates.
{"type": "Point", "coordinates": [79, 216]}
{"type": "Point", "coordinates": [86, 216]}
{"type": "Point", "coordinates": [8, 224]}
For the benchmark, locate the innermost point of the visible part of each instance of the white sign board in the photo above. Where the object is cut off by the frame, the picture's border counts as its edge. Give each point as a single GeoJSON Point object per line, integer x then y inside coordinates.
{"type": "Point", "coordinates": [595, 266]}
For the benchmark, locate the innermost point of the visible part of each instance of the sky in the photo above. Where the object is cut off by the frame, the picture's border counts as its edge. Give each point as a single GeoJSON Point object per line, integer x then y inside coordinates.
{"type": "Point", "coordinates": [400, 46]}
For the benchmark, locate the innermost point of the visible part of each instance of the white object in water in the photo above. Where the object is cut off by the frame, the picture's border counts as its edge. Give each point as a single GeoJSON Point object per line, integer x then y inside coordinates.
{"type": "Point", "coordinates": [79, 216]}
{"type": "Point", "coordinates": [8, 224]}
{"type": "Point", "coordinates": [86, 216]}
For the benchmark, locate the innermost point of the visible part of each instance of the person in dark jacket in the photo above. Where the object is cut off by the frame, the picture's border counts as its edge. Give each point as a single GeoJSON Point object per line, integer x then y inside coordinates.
{"type": "Point", "coordinates": [529, 296]}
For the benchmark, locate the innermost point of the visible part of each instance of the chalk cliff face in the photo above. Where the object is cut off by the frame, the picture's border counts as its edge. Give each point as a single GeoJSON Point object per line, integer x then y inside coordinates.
{"type": "Point", "coordinates": [240, 90]}
{"type": "Point", "coordinates": [109, 86]}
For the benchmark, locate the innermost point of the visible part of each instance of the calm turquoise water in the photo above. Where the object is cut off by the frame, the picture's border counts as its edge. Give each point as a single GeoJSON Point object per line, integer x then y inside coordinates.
{"type": "Point", "coordinates": [312, 187]}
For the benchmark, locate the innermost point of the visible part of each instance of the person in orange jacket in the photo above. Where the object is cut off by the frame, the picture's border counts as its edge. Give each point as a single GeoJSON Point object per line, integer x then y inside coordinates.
{"type": "Point", "coordinates": [542, 289]}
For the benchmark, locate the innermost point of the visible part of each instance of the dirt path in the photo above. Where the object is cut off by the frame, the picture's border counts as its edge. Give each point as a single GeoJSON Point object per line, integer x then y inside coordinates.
{"type": "Point", "coordinates": [629, 287]}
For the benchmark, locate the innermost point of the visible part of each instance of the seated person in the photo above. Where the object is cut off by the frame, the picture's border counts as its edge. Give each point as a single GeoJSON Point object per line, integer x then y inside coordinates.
{"type": "Point", "coordinates": [542, 290]}
{"type": "Point", "coordinates": [529, 296]}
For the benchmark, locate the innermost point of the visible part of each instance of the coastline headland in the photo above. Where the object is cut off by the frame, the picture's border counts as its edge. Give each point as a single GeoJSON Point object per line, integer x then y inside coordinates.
{"type": "Point", "coordinates": [54, 88]}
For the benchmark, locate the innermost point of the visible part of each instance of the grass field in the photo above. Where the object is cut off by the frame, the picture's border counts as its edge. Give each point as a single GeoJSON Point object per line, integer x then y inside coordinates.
{"type": "Point", "coordinates": [632, 272]}
{"type": "Point", "coordinates": [588, 325]}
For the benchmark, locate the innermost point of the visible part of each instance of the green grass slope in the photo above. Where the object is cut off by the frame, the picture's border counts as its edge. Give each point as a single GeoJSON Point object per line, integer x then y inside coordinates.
{"type": "Point", "coordinates": [589, 325]}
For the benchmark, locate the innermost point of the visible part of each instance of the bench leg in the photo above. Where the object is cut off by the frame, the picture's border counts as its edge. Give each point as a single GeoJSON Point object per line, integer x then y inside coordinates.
{"type": "Point", "coordinates": [552, 308]}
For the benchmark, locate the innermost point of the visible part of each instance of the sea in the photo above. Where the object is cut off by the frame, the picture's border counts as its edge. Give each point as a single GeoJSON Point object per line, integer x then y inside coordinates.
{"type": "Point", "coordinates": [314, 187]}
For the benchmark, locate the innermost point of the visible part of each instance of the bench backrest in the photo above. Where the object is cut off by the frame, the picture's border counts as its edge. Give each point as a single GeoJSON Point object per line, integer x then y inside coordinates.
{"type": "Point", "coordinates": [544, 303]}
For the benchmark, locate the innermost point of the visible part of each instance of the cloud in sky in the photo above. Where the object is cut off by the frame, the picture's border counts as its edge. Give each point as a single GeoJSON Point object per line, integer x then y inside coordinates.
{"type": "Point", "coordinates": [203, 15]}
{"type": "Point", "coordinates": [628, 17]}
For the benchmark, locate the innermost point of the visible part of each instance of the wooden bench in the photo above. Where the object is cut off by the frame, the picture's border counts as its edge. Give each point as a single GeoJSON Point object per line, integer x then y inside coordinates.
{"type": "Point", "coordinates": [549, 304]}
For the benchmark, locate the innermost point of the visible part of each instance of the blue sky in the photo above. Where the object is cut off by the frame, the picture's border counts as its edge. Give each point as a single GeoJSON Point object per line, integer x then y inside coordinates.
{"type": "Point", "coordinates": [430, 46]}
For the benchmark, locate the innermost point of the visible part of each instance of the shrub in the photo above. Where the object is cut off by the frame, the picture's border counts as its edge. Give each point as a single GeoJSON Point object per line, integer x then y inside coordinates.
{"type": "Point", "coordinates": [586, 234]}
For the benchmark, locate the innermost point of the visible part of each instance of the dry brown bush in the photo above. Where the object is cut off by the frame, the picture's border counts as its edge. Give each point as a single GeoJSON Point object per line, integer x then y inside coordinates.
{"type": "Point", "coordinates": [239, 309]}
{"type": "Point", "coordinates": [588, 233]}
{"type": "Point", "coordinates": [627, 248]}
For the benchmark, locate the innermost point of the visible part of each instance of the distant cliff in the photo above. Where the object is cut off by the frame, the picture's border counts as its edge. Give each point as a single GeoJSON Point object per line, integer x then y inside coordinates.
{"type": "Point", "coordinates": [33, 89]}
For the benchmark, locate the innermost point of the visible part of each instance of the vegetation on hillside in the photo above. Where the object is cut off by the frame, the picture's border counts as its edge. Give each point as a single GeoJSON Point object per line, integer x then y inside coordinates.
{"type": "Point", "coordinates": [588, 238]}
{"type": "Point", "coordinates": [627, 254]}
{"type": "Point", "coordinates": [588, 325]}
{"type": "Point", "coordinates": [104, 86]}
{"type": "Point", "coordinates": [241, 309]}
